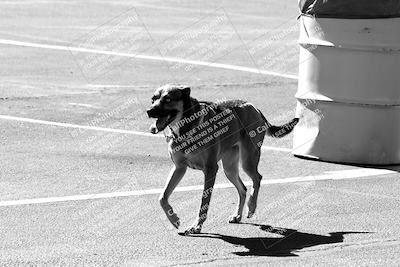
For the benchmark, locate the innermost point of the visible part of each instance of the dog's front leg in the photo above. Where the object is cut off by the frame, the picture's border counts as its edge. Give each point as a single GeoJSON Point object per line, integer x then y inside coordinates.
{"type": "Point", "coordinates": [174, 177]}
{"type": "Point", "coordinates": [209, 181]}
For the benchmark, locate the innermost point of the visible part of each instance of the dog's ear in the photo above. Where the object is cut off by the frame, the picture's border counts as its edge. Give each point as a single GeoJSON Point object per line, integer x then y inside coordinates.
{"type": "Point", "coordinates": [187, 104]}
{"type": "Point", "coordinates": [185, 90]}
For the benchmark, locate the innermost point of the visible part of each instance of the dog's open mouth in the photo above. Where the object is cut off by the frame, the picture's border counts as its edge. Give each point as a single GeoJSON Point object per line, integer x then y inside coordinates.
{"type": "Point", "coordinates": [162, 122]}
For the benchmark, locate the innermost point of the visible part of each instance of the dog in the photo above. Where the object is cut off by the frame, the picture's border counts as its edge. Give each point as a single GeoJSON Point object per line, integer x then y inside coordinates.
{"type": "Point", "coordinates": [202, 134]}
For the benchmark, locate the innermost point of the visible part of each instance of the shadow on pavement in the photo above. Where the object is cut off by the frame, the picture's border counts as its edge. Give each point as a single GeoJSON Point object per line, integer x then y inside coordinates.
{"type": "Point", "coordinates": [284, 246]}
{"type": "Point", "coordinates": [391, 167]}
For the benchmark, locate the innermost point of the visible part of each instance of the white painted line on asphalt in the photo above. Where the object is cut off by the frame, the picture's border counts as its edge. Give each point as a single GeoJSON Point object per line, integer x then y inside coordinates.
{"type": "Point", "coordinates": [148, 57]}
{"type": "Point", "coordinates": [335, 175]}
{"type": "Point", "coordinates": [182, 9]}
{"type": "Point", "coordinates": [31, 36]}
{"type": "Point", "coordinates": [94, 128]}
{"type": "Point", "coordinates": [273, 148]}
{"type": "Point", "coordinates": [32, 2]}
{"type": "Point", "coordinates": [81, 105]}
{"type": "Point", "coordinates": [68, 125]}
{"type": "Point", "coordinates": [110, 86]}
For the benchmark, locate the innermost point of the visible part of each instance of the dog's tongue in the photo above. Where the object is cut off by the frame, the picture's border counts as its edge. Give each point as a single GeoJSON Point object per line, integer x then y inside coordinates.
{"type": "Point", "coordinates": [159, 125]}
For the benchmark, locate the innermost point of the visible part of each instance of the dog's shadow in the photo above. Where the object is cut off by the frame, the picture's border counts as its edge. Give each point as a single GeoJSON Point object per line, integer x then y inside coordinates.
{"type": "Point", "coordinates": [284, 246]}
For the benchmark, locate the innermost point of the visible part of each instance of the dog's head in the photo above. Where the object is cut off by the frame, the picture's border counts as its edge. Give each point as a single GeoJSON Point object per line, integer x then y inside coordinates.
{"type": "Point", "coordinates": [168, 103]}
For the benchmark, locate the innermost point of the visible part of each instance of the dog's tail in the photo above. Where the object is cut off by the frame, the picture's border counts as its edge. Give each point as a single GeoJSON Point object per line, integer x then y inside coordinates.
{"type": "Point", "coordinates": [279, 131]}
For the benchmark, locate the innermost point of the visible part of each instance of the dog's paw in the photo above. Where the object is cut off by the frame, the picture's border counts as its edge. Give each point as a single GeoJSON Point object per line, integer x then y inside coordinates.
{"type": "Point", "coordinates": [250, 214]}
{"type": "Point", "coordinates": [235, 219]}
{"type": "Point", "coordinates": [171, 215]}
{"type": "Point", "coordinates": [195, 229]}
{"type": "Point", "coordinates": [252, 207]}
{"type": "Point", "coordinates": [174, 219]}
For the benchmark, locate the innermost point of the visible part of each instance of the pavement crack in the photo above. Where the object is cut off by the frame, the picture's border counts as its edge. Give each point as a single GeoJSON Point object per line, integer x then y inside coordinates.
{"type": "Point", "coordinates": [199, 262]}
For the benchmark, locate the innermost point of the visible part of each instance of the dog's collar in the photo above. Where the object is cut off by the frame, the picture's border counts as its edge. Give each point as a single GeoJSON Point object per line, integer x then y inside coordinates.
{"type": "Point", "coordinates": [169, 134]}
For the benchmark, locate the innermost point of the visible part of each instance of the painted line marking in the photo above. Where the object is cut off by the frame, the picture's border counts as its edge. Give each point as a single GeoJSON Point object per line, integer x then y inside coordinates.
{"type": "Point", "coordinates": [335, 175]}
{"type": "Point", "coordinates": [34, 37]}
{"type": "Point", "coordinates": [148, 57]}
{"type": "Point", "coordinates": [102, 129]}
{"type": "Point", "coordinates": [81, 105]}
{"type": "Point", "coordinates": [68, 125]}
{"type": "Point", "coordinates": [274, 148]}
{"type": "Point", "coordinates": [35, 2]}
{"type": "Point", "coordinates": [197, 10]}
{"type": "Point", "coordinates": [110, 86]}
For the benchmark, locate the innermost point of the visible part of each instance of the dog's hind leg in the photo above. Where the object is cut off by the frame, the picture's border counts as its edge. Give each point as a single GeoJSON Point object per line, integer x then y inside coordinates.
{"type": "Point", "coordinates": [230, 162]}
{"type": "Point", "coordinates": [250, 156]}
{"type": "Point", "coordinates": [209, 180]}
{"type": "Point", "coordinates": [175, 176]}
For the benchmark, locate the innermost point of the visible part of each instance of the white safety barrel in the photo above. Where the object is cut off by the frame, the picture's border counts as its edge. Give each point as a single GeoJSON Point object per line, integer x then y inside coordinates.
{"type": "Point", "coordinates": [349, 90]}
